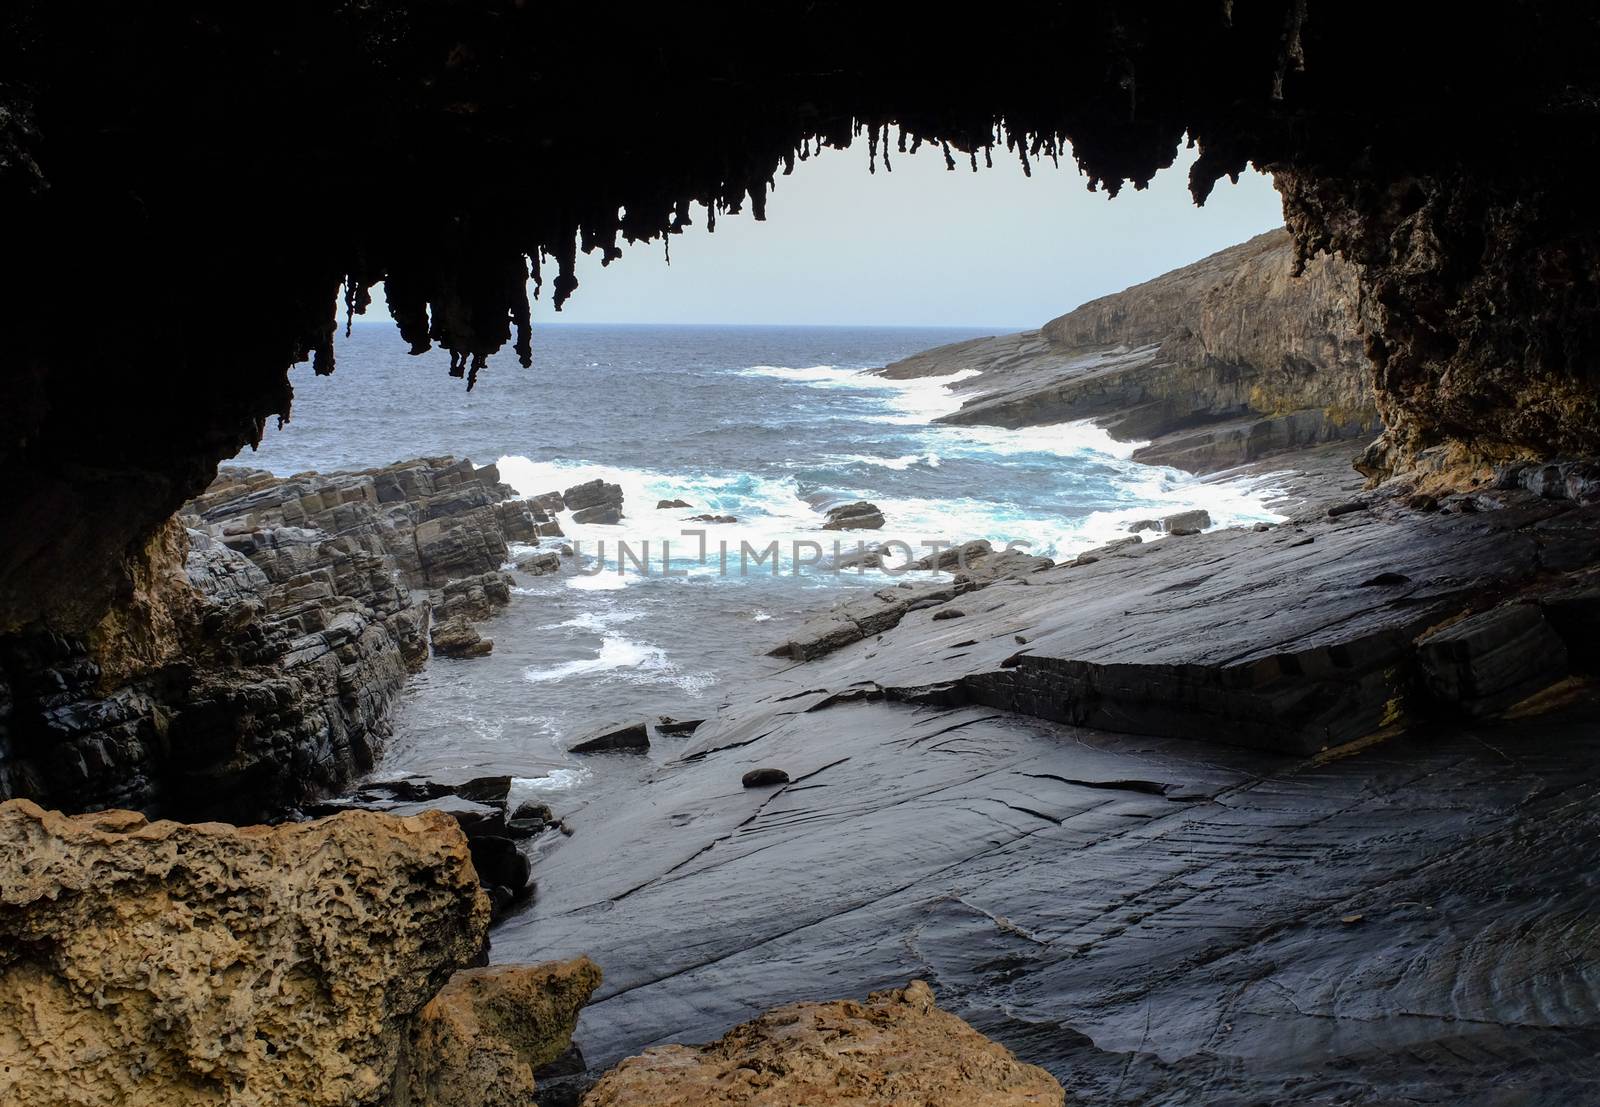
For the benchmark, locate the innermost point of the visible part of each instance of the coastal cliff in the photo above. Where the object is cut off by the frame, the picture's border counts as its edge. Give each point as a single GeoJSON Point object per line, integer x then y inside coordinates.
{"type": "Point", "coordinates": [1216, 364]}
{"type": "Point", "coordinates": [252, 662]}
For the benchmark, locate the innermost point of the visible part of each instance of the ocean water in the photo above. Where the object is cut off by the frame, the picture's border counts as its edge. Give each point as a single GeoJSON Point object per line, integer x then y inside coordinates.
{"type": "Point", "coordinates": [767, 424]}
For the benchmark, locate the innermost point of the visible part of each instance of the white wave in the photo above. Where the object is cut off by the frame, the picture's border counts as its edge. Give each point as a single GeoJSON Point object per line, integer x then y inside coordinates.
{"type": "Point", "coordinates": [598, 622]}
{"type": "Point", "coordinates": [761, 616]}
{"type": "Point", "coordinates": [911, 401]}
{"type": "Point", "coordinates": [615, 653]}
{"type": "Point", "coordinates": [898, 464]}
{"type": "Point", "coordinates": [556, 780]}
{"type": "Point", "coordinates": [1072, 439]}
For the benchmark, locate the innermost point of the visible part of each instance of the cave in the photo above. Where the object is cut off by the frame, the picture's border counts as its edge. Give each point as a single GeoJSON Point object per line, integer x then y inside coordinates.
{"type": "Point", "coordinates": [452, 154]}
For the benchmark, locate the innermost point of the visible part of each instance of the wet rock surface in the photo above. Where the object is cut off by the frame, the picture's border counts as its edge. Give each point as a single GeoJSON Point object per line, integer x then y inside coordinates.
{"type": "Point", "coordinates": [1152, 918]}
{"type": "Point", "coordinates": [255, 664]}
{"type": "Point", "coordinates": [897, 1048]}
{"type": "Point", "coordinates": [860, 515]}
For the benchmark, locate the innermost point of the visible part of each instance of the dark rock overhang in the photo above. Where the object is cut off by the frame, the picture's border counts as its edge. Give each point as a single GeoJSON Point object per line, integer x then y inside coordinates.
{"type": "Point", "coordinates": [187, 186]}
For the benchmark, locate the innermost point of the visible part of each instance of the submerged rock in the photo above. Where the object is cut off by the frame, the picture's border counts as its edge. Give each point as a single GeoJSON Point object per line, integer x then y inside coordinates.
{"type": "Point", "coordinates": [254, 965]}
{"type": "Point", "coordinates": [894, 1050]}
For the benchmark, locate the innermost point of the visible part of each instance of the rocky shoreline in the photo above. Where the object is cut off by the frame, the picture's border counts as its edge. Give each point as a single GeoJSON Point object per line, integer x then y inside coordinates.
{"type": "Point", "coordinates": [1095, 804]}
{"type": "Point", "coordinates": [1225, 362]}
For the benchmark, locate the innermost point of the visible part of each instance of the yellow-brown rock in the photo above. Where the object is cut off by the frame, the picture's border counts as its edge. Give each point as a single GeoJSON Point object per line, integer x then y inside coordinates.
{"type": "Point", "coordinates": [479, 1041]}
{"type": "Point", "coordinates": [158, 964]}
{"type": "Point", "coordinates": [895, 1050]}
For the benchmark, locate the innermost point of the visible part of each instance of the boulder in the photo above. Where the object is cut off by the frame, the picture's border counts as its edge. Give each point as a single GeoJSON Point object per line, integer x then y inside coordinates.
{"type": "Point", "coordinates": [668, 505]}
{"type": "Point", "coordinates": [549, 502]}
{"type": "Point", "coordinates": [630, 738]}
{"type": "Point", "coordinates": [472, 598]}
{"type": "Point", "coordinates": [895, 1050]}
{"type": "Point", "coordinates": [764, 778]}
{"type": "Point", "coordinates": [1190, 522]}
{"type": "Point", "coordinates": [248, 965]}
{"type": "Point", "coordinates": [539, 563]}
{"type": "Point", "coordinates": [957, 557]}
{"type": "Point", "coordinates": [599, 514]}
{"type": "Point", "coordinates": [856, 516]}
{"type": "Point", "coordinates": [457, 638]}
{"type": "Point", "coordinates": [592, 494]}
{"type": "Point", "coordinates": [712, 519]}
{"type": "Point", "coordinates": [479, 1041]}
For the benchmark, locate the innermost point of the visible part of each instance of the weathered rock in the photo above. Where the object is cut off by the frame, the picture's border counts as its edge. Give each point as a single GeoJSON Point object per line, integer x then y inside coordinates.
{"type": "Point", "coordinates": [764, 778]}
{"type": "Point", "coordinates": [594, 493]}
{"type": "Point", "coordinates": [957, 558]}
{"type": "Point", "coordinates": [1193, 521]}
{"type": "Point", "coordinates": [854, 619]}
{"type": "Point", "coordinates": [457, 637]}
{"type": "Point", "coordinates": [1089, 557]}
{"type": "Point", "coordinates": [1489, 661]}
{"type": "Point", "coordinates": [600, 514]}
{"type": "Point", "coordinates": [713, 519]}
{"type": "Point", "coordinates": [665, 505]}
{"type": "Point", "coordinates": [1222, 362]}
{"type": "Point", "coordinates": [631, 738]}
{"type": "Point", "coordinates": [473, 598]}
{"type": "Point", "coordinates": [479, 1041]}
{"type": "Point", "coordinates": [854, 516]}
{"type": "Point", "coordinates": [248, 966]}
{"type": "Point", "coordinates": [539, 563]}
{"type": "Point", "coordinates": [548, 502]}
{"type": "Point", "coordinates": [895, 1050]}
{"type": "Point", "coordinates": [666, 724]}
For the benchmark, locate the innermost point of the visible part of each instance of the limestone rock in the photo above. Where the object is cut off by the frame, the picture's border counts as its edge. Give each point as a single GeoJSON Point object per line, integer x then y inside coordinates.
{"type": "Point", "coordinates": [164, 963]}
{"type": "Point", "coordinates": [895, 1050]}
{"type": "Point", "coordinates": [480, 1040]}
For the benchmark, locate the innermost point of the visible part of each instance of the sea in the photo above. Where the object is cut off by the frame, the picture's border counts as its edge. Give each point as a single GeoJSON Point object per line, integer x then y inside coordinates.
{"type": "Point", "coordinates": [770, 425]}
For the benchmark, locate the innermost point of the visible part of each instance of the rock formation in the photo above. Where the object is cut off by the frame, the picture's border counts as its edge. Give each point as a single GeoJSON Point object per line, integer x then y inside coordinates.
{"type": "Point", "coordinates": [479, 1041]}
{"type": "Point", "coordinates": [1234, 358]}
{"type": "Point", "coordinates": [854, 516]}
{"type": "Point", "coordinates": [252, 664]}
{"type": "Point", "coordinates": [162, 963]}
{"type": "Point", "coordinates": [894, 1050]}
{"type": "Point", "coordinates": [594, 501]}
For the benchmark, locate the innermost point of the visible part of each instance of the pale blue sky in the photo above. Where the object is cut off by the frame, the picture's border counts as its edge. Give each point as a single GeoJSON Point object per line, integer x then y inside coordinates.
{"type": "Point", "coordinates": [920, 245]}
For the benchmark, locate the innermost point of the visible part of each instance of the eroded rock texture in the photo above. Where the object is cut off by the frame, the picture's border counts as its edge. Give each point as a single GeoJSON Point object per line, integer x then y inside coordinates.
{"type": "Point", "coordinates": [479, 1042]}
{"type": "Point", "coordinates": [252, 663]}
{"type": "Point", "coordinates": [166, 964]}
{"type": "Point", "coordinates": [1222, 362]}
{"type": "Point", "coordinates": [1479, 297]}
{"type": "Point", "coordinates": [895, 1050]}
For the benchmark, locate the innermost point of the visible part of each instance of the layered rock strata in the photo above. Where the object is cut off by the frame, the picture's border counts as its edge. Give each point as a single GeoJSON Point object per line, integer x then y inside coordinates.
{"type": "Point", "coordinates": [1219, 363]}
{"type": "Point", "coordinates": [253, 663]}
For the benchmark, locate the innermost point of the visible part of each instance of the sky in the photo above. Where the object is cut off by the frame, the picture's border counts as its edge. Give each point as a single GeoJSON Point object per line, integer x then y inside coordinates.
{"type": "Point", "coordinates": [919, 246]}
